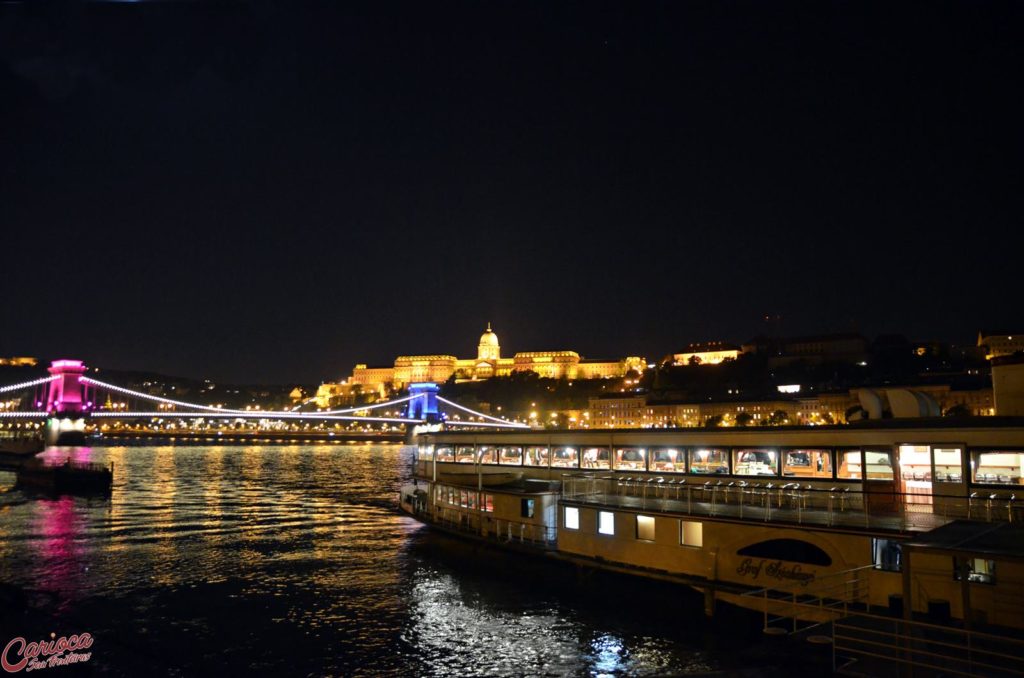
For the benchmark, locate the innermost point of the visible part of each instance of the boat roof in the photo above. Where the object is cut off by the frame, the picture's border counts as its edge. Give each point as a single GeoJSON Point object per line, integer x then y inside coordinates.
{"type": "Point", "coordinates": [1002, 540]}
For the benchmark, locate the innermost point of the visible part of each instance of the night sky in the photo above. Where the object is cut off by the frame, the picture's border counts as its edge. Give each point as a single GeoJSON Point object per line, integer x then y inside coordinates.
{"type": "Point", "coordinates": [274, 191]}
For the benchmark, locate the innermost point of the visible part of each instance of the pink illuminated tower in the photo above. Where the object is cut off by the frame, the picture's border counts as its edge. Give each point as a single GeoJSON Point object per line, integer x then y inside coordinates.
{"type": "Point", "coordinates": [66, 394]}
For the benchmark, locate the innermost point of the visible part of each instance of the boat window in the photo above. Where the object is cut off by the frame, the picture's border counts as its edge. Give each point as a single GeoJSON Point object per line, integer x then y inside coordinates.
{"type": "Point", "coordinates": [886, 554]}
{"type": "Point", "coordinates": [464, 454]}
{"type": "Point", "coordinates": [488, 454]}
{"type": "Point", "coordinates": [526, 507]}
{"type": "Point", "coordinates": [948, 467]}
{"type": "Point", "coordinates": [536, 456]}
{"type": "Point", "coordinates": [849, 463]}
{"type": "Point", "coordinates": [489, 503]}
{"type": "Point", "coordinates": [631, 459]}
{"type": "Point", "coordinates": [916, 463]}
{"type": "Point", "coordinates": [980, 571]}
{"type": "Point", "coordinates": [691, 533]}
{"type": "Point", "coordinates": [668, 460]}
{"type": "Point", "coordinates": [792, 550]}
{"type": "Point", "coordinates": [756, 462]}
{"type": "Point", "coordinates": [645, 528]}
{"type": "Point", "coordinates": [572, 518]}
{"type": "Point", "coordinates": [606, 522]}
{"type": "Point", "coordinates": [425, 452]}
{"type": "Point", "coordinates": [1001, 467]}
{"type": "Point", "coordinates": [878, 464]}
{"type": "Point", "coordinates": [708, 460]}
{"type": "Point", "coordinates": [510, 456]}
{"type": "Point", "coordinates": [445, 453]}
{"type": "Point", "coordinates": [596, 457]}
{"type": "Point", "coordinates": [807, 463]}
{"type": "Point", "coordinates": [565, 457]}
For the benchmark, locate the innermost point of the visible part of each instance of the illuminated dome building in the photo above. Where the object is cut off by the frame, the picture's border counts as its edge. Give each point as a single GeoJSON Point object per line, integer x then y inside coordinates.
{"type": "Point", "coordinates": [489, 363]}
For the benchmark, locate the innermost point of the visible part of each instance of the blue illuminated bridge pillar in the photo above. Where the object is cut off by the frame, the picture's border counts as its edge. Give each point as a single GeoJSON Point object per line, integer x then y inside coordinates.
{"type": "Point", "coordinates": [424, 403]}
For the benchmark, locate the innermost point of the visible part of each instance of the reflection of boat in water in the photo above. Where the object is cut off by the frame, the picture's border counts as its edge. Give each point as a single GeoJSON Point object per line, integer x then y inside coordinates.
{"type": "Point", "coordinates": [69, 477]}
{"type": "Point", "coordinates": [485, 477]}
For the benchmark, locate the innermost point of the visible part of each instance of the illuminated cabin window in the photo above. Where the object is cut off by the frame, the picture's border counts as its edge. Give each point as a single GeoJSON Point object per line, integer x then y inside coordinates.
{"type": "Point", "coordinates": [605, 522]}
{"type": "Point", "coordinates": [536, 456]}
{"type": "Point", "coordinates": [998, 467]}
{"type": "Point", "coordinates": [565, 457]}
{"type": "Point", "coordinates": [488, 503]}
{"type": "Point", "coordinates": [807, 463]}
{"type": "Point", "coordinates": [631, 459]}
{"type": "Point", "coordinates": [645, 528]}
{"type": "Point", "coordinates": [756, 462]}
{"type": "Point", "coordinates": [878, 464]}
{"type": "Point", "coordinates": [464, 454]}
{"type": "Point", "coordinates": [425, 452]}
{"type": "Point", "coordinates": [668, 460]}
{"type": "Point", "coordinates": [709, 460]}
{"type": "Point", "coordinates": [848, 464]}
{"type": "Point", "coordinates": [691, 533]}
{"type": "Point", "coordinates": [526, 507]}
{"type": "Point", "coordinates": [510, 456]}
{"type": "Point", "coordinates": [572, 518]}
{"type": "Point", "coordinates": [596, 457]}
{"type": "Point", "coordinates": [487, 454]}
{"type": "Point", "coordinates": [887, 554]}
{"type": "Point", "coordinates": [980, 571]}
{"type": "Point", "coordinates": [445, 453]}
{"type": "Point", "coordinates": [948, 468]}
{"type": "Point", "coordinates": [916, 463]}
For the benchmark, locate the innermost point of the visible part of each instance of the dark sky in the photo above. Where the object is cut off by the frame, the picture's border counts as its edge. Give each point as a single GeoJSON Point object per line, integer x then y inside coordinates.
{"type": "Point", "coordinates": [274, 191]}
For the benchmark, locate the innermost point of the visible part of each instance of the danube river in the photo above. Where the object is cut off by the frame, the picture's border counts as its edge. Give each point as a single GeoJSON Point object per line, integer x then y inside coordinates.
{"type": "Point", "coordinates": [293, 560]}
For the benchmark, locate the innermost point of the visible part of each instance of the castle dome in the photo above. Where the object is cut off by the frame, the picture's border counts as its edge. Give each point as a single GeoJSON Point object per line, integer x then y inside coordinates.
{"type": "Point", "coordinates": [488, 338]}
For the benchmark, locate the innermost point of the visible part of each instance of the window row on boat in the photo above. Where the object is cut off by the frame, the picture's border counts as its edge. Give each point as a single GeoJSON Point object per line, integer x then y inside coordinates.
{"type": "Point", "coordinates": [916, 462]}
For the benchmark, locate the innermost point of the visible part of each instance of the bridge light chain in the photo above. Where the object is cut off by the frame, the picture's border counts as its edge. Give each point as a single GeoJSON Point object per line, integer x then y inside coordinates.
{"type": "Point", "coordinates": [230, 413]}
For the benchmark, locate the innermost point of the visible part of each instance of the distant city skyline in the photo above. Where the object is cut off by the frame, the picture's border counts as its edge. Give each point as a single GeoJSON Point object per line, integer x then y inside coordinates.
{"type": "Point", "coordinates": [272, 192]}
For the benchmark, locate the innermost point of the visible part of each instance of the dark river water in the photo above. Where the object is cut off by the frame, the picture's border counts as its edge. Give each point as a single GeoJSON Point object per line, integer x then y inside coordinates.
{"type": "Point", "coordinates": [294, 560]}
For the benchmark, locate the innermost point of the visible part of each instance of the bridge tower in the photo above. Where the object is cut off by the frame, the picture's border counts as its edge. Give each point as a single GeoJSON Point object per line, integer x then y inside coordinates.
{"type": "Point", "coordinates": [425, 405]}
{"type": "Point", "coordinates": [66, 395]}
{"type": "Point", "coordinates": [67, 403]}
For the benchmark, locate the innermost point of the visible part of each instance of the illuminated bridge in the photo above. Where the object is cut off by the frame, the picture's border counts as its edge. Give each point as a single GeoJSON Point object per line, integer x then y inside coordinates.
{"type": "Point", "coordinates": [67, 398]}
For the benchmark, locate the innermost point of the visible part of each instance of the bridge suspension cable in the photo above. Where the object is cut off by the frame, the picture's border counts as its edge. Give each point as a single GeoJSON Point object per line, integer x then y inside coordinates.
{"type": "Point", "coordinates": [226, 410]}
{"type": "Point", "coordinates": [28, 384]}
{"type": "Point", "coordinates": [501, 422]}
{"type": "Point", "coordinates": [259, 414]}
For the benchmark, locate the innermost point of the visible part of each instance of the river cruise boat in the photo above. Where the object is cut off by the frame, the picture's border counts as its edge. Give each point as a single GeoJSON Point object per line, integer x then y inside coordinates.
{"type": "Point", "coordinates": [903, 518]}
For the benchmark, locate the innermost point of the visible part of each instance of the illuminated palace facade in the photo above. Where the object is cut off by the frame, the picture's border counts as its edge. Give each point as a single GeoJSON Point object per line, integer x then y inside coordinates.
{"type": "Point", "coordinates": [489, 363]}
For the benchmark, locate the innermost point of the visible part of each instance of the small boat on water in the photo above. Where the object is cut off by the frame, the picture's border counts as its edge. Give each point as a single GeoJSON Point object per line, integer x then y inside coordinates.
{"type": "Point", "coordinates": [68, 477]}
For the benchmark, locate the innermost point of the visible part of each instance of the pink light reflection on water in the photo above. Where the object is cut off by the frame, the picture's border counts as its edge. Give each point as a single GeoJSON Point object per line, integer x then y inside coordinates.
{"type": "Point", "coordinates": [58, 455]}
{"type": "Point", "coordinates": [57, 550]}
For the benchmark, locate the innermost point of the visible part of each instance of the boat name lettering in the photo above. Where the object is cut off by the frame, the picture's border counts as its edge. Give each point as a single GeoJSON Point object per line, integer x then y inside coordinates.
{"type": "Point", "coordinates": [775, 569]}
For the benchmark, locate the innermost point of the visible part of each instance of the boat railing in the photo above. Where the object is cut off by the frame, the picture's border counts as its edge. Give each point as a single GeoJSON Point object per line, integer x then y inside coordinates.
{"type": "Point", "coordinates": [798, 607]}
{"type": "Point", "coordinates": [869, 644]}
{"type": "Point", "coordinates": [843, 505]}
{"type": "Point", "coordinates": [487, 526]}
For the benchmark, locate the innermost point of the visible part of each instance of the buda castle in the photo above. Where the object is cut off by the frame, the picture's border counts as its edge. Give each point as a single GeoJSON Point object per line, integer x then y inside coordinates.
{"type": "Point", "coordinates": [489, 363]}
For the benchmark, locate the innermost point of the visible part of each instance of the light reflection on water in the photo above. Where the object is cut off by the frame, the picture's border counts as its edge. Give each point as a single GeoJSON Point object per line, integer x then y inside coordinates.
{"type": "Point", "coordinates": [292, 559]}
